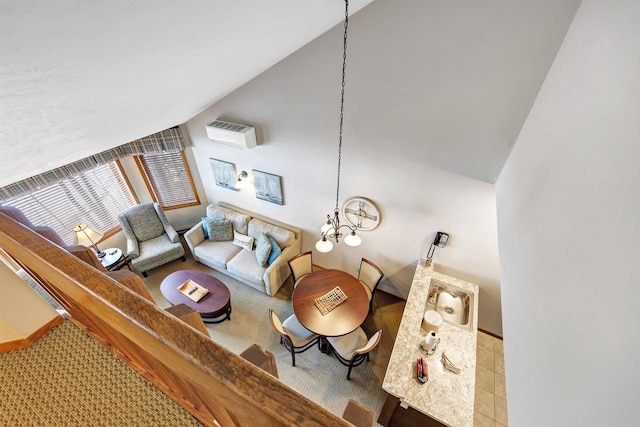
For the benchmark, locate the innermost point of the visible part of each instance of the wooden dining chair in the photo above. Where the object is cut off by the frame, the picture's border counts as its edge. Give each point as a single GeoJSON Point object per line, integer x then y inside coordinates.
{"type": "Point", "coordinates": [295, 337]}
{"type": "Point", "coordinates": [354, 348]}
{"type": "Point", "coordinates": [370, 276]}
{"type": "Point", "coordinates": [261, 358]}
{"type": "Point", "coordinates": [300, 266]}
{"type": "Point", "coordinates": [358, 414]}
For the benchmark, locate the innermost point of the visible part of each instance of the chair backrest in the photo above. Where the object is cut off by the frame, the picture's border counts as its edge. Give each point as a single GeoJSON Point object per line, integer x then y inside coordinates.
{"type": "Point", "coordinates": [369, 274]}
{"type": "Point", "coordinates": [87, 255]}
{"type": "Point", "coordinates": [358, 414]}
{"type": "Point", "coordinates": [262, 358]}
{"type": "Point", "coordinates": [300, 265]}
{"type": "Point", "coordinates": [16, 214]}
{"type": "Point", "coordinates": [370, 345]}
{"type": "Point", "coordinates": [144, 221]}
{"type": "Point", "coordinates": [131, 280]}
{"type": "Point", "coordinates": [46, 232]}
{"type": "Point", "coordinates": [49, 233]}
{"type": "Point", "coordinates": [276, 324]}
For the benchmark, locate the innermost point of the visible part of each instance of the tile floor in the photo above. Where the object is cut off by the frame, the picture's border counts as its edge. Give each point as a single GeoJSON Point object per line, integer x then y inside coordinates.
{"type": "Point", "coordinates": [490, 404]}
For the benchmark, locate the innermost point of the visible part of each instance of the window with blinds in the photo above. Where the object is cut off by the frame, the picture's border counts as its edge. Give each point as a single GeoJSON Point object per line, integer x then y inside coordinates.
{"type": "Point", "coordinates": [95, 197]}
{"type": "Point", "coordinates": [169, 180]}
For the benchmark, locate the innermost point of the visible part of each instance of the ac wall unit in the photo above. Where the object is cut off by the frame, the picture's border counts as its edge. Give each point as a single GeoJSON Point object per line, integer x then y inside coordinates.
{"type": "Point", "coordinates": [233, 134]}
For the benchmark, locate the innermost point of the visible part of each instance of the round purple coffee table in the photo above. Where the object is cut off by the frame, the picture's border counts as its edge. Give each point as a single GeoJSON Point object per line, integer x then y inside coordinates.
{"type": "Point", "coordinates": [213, 305]}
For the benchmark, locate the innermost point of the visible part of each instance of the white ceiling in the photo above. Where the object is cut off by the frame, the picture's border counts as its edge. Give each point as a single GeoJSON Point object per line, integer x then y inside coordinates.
{"type": "Point", "coordinates": [79, 77]}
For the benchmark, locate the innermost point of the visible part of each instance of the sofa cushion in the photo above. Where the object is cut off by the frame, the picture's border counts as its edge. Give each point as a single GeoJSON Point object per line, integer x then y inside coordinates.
{"type": "Point", "coordinates": [219, 229]}
{"type": "Point", "coordinates": [216, 253]}
{"type": "Point", "coordinates": [239, 220]}
{"type": "Point", "coordinates": [281, 235]}
{"type": "Point", "coordinates": [204, 225]}
{"type": "Point", "coordinates": [275, 251]}
{"type": "Point", "coordinates": [245, 265]}
{"type": "Point", "coordinates": [242, 240]}
{"type": "Point", "coordinates": [263, 249]}
{"type": "Point", "coordinates": [157, 251]}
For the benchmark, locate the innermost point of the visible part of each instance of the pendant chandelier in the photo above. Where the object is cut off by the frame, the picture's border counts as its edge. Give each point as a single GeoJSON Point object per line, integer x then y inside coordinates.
{"type": "Point", "coordinates": [331, 230]}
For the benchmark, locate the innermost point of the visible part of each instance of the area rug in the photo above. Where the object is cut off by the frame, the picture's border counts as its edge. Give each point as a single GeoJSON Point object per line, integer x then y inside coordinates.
{"type": "Point", "coordinates": [319, 377]}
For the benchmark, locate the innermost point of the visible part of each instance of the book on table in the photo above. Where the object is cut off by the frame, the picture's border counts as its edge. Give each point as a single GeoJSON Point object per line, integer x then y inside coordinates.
{"type": "Point", "coordinates": [193, 290]}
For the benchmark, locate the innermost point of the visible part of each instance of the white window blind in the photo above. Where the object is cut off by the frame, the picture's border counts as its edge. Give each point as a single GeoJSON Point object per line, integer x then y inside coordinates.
{"type": "Point", "coordinates": [95, 197]}
{"type": "Point", "coordinates": [168, 178]}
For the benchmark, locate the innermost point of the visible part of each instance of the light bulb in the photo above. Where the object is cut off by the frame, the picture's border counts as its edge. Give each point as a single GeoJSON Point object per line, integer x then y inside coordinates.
{"type": "Point", "coordinates": [323, 245]}
{"type": "Point", "coordinates": [352, 239]}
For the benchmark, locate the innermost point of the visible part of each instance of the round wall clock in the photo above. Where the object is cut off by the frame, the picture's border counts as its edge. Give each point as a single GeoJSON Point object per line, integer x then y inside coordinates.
{"type": "Point", "coordinates": [361, 213]}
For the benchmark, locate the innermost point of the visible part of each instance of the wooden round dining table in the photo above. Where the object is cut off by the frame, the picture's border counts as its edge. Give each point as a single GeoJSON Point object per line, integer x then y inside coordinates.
{"type": "Point", "coordinates": [344, 318]}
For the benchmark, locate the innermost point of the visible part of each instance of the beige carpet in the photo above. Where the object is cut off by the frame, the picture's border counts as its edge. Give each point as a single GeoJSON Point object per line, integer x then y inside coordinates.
{"type": "Point", "coordinates": [318, 376]}
{"type": "Point", "coordinates": [68, 379]}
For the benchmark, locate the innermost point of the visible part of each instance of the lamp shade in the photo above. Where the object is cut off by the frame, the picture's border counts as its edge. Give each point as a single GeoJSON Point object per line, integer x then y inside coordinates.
{"type": "Point", "coordinates": [86, 236]}
{"type": "Point", "coordinates": [324, 246]}
{"type": "Point", "coordinates": [352, 239]}
{"type": "Point", "coordinates": [326, 227]}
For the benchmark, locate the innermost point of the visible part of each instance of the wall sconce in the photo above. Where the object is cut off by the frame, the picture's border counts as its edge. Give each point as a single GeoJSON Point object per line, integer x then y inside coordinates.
{"type": "Point", "coordinates": [243, 180]}
{"type": "Point", "coordinates": [88, 237]}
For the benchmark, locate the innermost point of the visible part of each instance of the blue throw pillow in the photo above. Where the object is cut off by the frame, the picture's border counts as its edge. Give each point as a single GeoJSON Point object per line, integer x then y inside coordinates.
{"type": "Point", "coordinates": [204, 227]}
{"type": "Point", "coordinates": [263, 249]}
{"type": "Point", "coordinates": [275, 250]}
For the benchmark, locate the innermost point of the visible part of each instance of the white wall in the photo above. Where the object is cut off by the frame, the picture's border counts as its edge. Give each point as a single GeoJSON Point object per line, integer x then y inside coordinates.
{"type": "Point", "coordinates": [22, 311]}
{"type": "Point", "coordinates": [569, 227]}
{"type": "Point", "coordinates": [295, 106]}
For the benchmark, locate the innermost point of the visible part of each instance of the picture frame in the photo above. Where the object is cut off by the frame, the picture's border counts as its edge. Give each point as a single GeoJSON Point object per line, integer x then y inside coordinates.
{"type": "Point", "coordinates": [224, 174]}
{"type": "Point", "coordinates": [268, 187]}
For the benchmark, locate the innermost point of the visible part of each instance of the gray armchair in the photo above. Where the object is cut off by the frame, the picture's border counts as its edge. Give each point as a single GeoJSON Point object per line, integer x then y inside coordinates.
{"type": "Point", "coordinates": [151, 240]}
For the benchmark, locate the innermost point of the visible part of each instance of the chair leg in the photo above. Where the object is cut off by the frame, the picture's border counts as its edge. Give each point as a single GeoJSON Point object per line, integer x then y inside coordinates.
{"type": "Point", "coordinates": [349, 371]}
{"type": "Point", "coordinates": [293, 357]}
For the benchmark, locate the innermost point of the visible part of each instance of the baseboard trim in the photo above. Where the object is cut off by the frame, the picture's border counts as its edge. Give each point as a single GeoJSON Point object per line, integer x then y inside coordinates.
{"type": "Point", "coordinates": [31, 339]}
{"type": "Point", "coordinates": [490, 333]}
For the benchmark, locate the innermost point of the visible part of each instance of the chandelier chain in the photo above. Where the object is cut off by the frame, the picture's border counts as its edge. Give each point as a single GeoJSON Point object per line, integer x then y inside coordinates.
{"type": "Point", "coordinates": [344, 69]}
{"type": "Point", "coordinates": [331, 229]}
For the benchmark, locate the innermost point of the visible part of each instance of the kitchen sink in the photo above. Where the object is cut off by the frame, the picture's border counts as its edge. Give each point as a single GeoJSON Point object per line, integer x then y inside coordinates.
{"type": "Point", "coordinates": [454, 304]}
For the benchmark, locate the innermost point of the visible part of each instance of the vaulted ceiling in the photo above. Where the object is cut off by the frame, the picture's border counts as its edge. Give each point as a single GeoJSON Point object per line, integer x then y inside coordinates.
{"type": "Point", "coordinates": [79, 77]}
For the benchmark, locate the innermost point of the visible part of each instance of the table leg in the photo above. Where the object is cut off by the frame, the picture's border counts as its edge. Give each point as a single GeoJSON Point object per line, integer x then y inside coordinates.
{"type": "Point", "coordinates": [324, 345]}
{"type": "Point", "coordinates": [219, 318]}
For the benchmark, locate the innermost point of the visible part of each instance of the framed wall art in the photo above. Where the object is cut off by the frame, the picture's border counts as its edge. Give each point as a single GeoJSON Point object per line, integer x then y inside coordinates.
{"type": "Point", "coordinates": [224, 173]}
{"type": "Point", "coordinates": [268, 187]}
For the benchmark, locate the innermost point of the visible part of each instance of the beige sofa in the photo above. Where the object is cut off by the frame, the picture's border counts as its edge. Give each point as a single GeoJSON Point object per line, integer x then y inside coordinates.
{"type": "Point", "coordinates": [242, 264]}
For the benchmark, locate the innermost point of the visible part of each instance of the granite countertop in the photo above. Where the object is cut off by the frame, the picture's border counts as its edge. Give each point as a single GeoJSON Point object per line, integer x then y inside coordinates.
{"type": "Point", "coordinates": [446, 397]}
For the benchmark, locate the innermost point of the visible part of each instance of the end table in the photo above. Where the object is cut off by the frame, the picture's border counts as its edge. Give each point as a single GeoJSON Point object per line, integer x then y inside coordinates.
{"type": "Point", "coordinates": [114, 259]}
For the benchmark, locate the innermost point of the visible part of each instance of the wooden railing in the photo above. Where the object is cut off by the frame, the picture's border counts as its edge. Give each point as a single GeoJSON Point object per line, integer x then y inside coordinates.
{"type": "Point", "coordinates": [204, 378]}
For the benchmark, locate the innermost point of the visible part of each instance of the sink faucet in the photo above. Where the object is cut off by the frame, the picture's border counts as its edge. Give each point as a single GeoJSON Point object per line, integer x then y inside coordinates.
{"type": "Point", "coordinates": [434, 291]}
